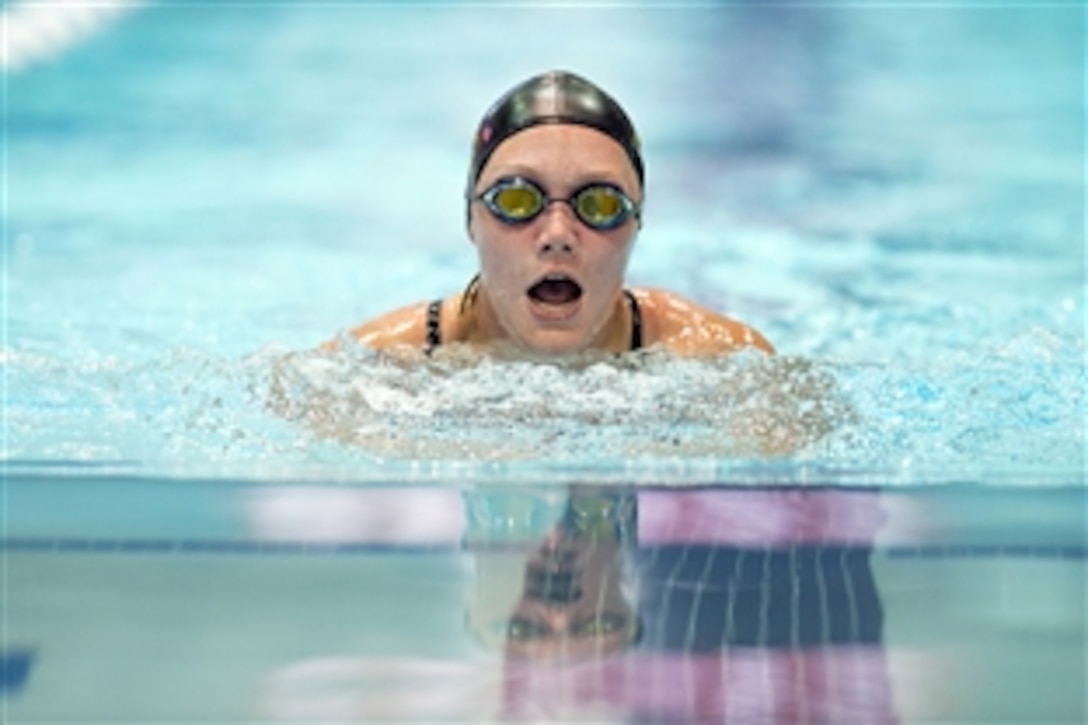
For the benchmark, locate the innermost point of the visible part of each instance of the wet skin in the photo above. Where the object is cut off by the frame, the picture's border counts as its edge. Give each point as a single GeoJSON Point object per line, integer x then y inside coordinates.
{"type": "Point", "coordinates": [515, 258]}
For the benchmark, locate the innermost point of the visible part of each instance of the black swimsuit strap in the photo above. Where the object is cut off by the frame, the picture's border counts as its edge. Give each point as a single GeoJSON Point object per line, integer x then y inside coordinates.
{"type": "Point", "coordinates": [636, 320]}
{"type": "Point", "coordinates": [434, 325]}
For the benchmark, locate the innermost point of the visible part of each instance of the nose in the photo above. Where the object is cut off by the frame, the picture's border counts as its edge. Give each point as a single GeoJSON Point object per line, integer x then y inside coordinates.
{"type": "Point", "coordinates": [558, 229]}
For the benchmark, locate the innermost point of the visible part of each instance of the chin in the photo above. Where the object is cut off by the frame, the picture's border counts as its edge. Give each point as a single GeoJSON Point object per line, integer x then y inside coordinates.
{"type": "Point", "coordinates": [556, 344]}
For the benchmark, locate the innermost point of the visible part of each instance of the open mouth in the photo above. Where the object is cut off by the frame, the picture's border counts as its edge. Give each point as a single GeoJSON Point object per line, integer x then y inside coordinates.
{"type": "Point", "coordinates": [552, 587]}
{"type": "Point", "coordinates": [556, 290]}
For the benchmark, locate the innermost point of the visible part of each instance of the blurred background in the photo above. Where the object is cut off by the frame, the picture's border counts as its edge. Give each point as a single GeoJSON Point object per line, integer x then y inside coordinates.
{"type": "Point", "coordinates": [869, 184]}
{"type": "Point", "coordinates": [275, 172]}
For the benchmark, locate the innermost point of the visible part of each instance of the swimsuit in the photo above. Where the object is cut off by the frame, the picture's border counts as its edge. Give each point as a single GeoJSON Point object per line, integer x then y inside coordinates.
{"type": "Point", "coordinates": [434, 323]}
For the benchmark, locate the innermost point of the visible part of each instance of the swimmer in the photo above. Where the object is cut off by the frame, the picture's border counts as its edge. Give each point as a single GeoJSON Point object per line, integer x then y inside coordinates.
{"type": "Point", "coordinates": [554, 203]}
{"type": "Point", "coordinates": [572, 596]}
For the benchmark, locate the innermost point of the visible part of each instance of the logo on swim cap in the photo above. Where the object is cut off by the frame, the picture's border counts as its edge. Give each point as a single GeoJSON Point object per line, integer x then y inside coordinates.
{"type": "Point", "coordinates": [553, 97]}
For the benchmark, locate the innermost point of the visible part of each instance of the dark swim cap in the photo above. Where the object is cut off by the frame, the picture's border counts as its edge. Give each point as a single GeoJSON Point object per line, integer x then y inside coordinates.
{"type": "Point", "coordinates": [552, 97]}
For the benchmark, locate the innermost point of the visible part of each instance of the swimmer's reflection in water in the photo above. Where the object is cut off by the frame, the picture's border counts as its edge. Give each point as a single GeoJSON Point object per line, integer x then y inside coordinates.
{"type": "Point", "coordinates": [661, 605]}
{"type": "Point", "coordinates": [570, 596]}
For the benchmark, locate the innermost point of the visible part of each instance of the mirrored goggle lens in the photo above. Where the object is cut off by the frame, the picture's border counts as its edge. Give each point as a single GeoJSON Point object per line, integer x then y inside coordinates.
{"type": "Point", "coordinates": [517, 203]}
{"type": "Point", "coordinates": [601, 207]}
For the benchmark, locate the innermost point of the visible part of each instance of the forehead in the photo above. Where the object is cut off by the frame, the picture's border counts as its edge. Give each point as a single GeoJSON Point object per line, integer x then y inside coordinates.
{"type": "Point", "coordinates": [562, 154]}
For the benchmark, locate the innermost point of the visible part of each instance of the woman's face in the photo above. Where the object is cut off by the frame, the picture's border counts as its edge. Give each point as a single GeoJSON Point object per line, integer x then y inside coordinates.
{"type": "Point", "coordinates": [572, 602]}
{"type": "Point", "coordinates": [552, 284]}
{"type": "Point", "coordinates": [566, 599]}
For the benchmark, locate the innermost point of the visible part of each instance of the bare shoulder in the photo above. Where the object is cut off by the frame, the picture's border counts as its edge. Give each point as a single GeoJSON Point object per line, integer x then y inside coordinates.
{"type": "Point", "coordinates": [688, 328]}
{"type": "Point", "coordinates": [402, 327]}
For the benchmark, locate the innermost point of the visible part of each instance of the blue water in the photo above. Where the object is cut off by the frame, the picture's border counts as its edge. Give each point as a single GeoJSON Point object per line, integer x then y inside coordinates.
{"type": "Point", "coordinates": [885, 523]}
{"type": "Point", "coordinates": [894, 195]}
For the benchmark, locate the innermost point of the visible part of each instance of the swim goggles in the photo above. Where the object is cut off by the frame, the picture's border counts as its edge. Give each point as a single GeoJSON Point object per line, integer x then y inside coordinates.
{"type": "Point", "coordinates": [516, 200]}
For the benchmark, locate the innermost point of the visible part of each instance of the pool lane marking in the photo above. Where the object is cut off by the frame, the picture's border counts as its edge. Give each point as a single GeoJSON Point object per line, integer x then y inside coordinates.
{"type": "Point", "coordinates": [79, 545]}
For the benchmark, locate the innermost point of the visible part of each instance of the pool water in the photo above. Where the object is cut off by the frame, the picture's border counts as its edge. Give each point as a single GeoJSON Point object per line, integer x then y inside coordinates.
{"type": "Point", "coordinates": [215, 600]}
{"type": "Point", "coordinates": [894, 196]}
{"type": "Point", "coordinates": [207, 519]}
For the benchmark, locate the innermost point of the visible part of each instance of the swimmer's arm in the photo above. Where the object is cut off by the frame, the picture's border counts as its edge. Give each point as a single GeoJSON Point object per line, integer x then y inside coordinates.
{"type": "Point", "coordinates": [403, 327]}
{"type": "Point", "coordinates": [689, 329]}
